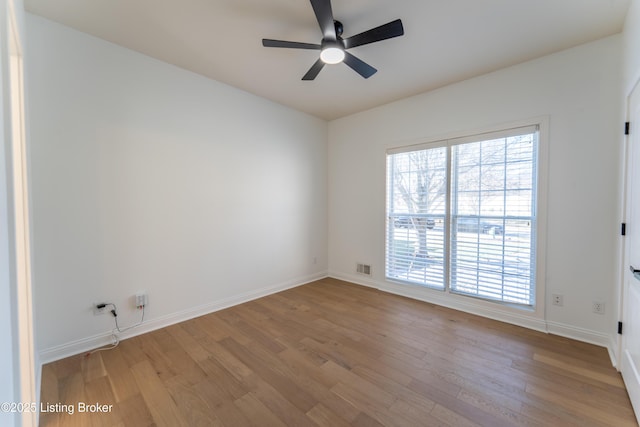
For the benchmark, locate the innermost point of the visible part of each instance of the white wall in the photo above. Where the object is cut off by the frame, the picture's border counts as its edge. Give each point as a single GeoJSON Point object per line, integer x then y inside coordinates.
{"type": "Point", "coordinates": [579, 91]}
{"type": "Point", "coordinates": [149, 177]}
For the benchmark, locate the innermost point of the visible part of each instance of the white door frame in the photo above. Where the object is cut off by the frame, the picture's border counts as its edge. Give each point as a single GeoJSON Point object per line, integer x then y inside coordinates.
{"type": "Point", "coordinates": [625, 262]}
{"type": "Point", "coordinates": [20, 226]}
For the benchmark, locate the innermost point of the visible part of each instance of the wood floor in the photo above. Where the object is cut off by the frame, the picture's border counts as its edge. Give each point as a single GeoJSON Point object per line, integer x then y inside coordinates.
{"type": "Point", "coordinates": [336, 354]}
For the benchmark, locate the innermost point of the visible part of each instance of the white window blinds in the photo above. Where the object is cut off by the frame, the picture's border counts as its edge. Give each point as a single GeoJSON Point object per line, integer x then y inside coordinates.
{"type": "Point", "coordinates": [417, 200]}
{"type": "Point", "coordinates": [461, 215]}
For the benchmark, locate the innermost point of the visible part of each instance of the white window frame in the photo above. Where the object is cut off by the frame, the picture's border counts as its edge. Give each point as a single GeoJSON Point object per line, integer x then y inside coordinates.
{"type": "Point", "coordinates": [541, 184]}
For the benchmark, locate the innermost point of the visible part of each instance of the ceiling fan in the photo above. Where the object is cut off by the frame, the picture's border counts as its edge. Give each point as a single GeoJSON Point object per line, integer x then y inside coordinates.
{"type": "Point", "coordinates": [333, 48]}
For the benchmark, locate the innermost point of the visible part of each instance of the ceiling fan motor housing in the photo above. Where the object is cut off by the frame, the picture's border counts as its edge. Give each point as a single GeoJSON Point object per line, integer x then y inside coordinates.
{"type": "Point", "coordinates": [339, 28]}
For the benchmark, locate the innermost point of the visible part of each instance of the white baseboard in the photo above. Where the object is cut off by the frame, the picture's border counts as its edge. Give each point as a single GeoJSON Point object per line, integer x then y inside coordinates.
{"type": "Point", "coordinates": [468, 305]}
{"type": "Point", "coordinates": [579, 334]}
{"type": "Point", "coordinates": [613, 349]}
{"type": "Point", "coordinates": [480, 308]}
{"type": "Point", "coordinates": [457, 302]}
{"type": "Point", "coordinates": [89, 343]}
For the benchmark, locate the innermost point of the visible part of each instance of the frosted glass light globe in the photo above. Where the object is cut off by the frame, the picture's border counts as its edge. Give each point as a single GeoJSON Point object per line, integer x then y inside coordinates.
{"type": "Point", "coordinates": [332, 55]}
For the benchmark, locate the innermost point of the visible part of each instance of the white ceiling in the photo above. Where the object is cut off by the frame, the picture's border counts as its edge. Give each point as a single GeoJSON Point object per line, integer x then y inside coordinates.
{"type": "Point", "coordinates": [445, 41]}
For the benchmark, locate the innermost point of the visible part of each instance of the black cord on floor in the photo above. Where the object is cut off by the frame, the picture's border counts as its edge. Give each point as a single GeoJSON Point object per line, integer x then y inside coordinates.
{"type": "Point", "coordinates": [114, 334]}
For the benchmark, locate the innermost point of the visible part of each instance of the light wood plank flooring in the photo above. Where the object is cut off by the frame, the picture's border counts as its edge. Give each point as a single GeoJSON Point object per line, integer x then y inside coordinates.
{"type": "Point", "coordinates": [337, 354]}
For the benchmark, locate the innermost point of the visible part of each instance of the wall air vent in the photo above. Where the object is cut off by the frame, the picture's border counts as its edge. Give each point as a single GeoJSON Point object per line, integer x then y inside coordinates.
{"type": "Point", "coordinates": [363, 269]}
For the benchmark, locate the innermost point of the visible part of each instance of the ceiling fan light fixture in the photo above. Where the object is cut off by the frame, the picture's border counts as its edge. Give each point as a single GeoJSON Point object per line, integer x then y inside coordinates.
{"type": "Point", "coordinates": [332, 55]}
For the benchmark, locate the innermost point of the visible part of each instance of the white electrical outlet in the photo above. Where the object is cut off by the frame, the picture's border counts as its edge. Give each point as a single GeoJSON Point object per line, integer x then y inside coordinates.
{"type": "Point", "coordinates": [557, 299]}
{"type": "Point", "coordinates": [598, 307]}
{"type": "Point", "coordinates": [141, 300]}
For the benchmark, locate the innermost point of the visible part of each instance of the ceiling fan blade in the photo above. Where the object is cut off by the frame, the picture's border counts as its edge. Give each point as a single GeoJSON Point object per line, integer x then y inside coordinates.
{"type": "Point", "coordinates": [383, 32]}
{"type": "Point", "coordinates": [314, 70]}
{"type": "Point", "coordinates": [324, 15]}
{"type": "Point", "coordinates": [286, 44]}
{"type": "Point", "coordinates": [359, 66]}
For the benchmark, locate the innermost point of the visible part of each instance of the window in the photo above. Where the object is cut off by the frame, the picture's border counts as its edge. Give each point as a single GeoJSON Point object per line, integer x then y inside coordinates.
{"type": "Point", "coordinates": [461, 215]}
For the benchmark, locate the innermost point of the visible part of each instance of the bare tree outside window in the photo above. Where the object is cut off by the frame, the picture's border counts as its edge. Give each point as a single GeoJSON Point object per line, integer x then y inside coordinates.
{"type": "Point", "coordinates": [423, 190]}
